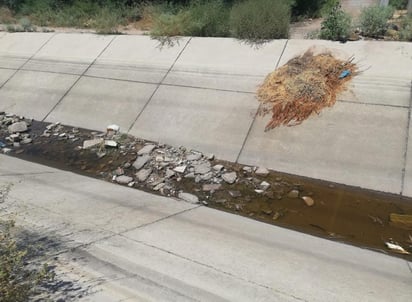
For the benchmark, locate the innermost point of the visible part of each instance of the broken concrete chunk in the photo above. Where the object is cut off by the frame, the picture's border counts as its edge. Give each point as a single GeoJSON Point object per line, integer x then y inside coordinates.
{"type": "Point", "coordinates": [308, 200]}
{"type": "Point", "coordinates": [194, 156]}
{"type": "Point", "coordinates": [114, 128]}
{"type": "Point", "coordinates": [230, 178]}
{"type": "Point", "coordinates": [18, 127]}
{"type": "Point", "coordinates": [123, 179]}
{"type": "Point", "coordinates": [110, 143]}
{"type": "Point", "coordinates": [146, 150]}
{"type": "Point", "coordinates": [211, 187]}
{"type": "Point", "coordinates": [92, 143]}
{"type": "Point", "coordinates": [202, 168]}
{"type": "Point", "coordinates": [180, 169]}
{"type": "Point", "coordinates": [264, 185]}
{"type": "Point", "coordinates": [141, 161]}
{"type": "Point", "coordinates": [143, 174]}
{"type": "Point", "coordinates": [262, 171]}
{"type": "Point", "coordinates": [189, 197]}
{"type": "Point", "coordinates": [218, 168]}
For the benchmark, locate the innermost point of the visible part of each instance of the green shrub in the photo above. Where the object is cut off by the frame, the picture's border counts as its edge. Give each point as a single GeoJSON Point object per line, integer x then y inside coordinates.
{"type": "Point", "coordinates": [260, 19]}
{"type": "Point", "coordinates": [107, 20]}
{"type": "Point", "coordinates": [169, 24]}
{"type": "Point", "coordinates": [373, 21]}
{"type": "Point", "coordinates": [405, 32]}
{"type": "Point", "coordinates": [398, 4]}
{"type": "Point", "coordinates": [336, 26]}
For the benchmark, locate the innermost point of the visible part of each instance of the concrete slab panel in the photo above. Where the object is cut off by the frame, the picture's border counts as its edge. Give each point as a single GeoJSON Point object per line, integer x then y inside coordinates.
{"type": "Point", "coordinates": [95, 103]}
{"type": "Point", "coordinates": [83, 203]}
{"type": "Point", "coordinates": [407, 191]}
{"type": "Point", "coordinates": [16, 48]}
{"type": "Point", "coordinates": [157, 275]}
{"type": "Point", "coordinates": [5, 74]}
{"type": "Point", "coordinates": [278, 259]}
{"type": "Point", "coordinates": [355, 144]}
{"type": "Point", "coordinates": [136, 58]}
{"type": "Point", "coordinates": [386, 68]}
{"type": "Point", "coordinates": [34, 94]}
{"type": "Point", "coordinates": [206, 120]}
{"type": "Point", "coordinates": [12, 166]}
{"type": "Point", "coordinates": [223, 63]}
{"type": "Point", "coordinates": [69, 53]}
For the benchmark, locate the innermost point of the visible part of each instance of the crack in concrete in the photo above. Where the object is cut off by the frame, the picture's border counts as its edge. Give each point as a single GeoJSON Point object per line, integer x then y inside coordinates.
{"type": "Point", "coordinates": [405, 155]}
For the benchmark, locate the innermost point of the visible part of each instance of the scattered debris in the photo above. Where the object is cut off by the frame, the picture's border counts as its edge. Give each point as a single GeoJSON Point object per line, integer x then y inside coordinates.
{"type": "Point", "coordinates": [303, 86]}
{"type": "Point", "coordinates": [262, 171]}
{"type": "Point", "coordinates": [230, 178]}
{"type": "Point", "coordinates": [308, 200]}
{"type": "Point", "coordinates": [396, 248]}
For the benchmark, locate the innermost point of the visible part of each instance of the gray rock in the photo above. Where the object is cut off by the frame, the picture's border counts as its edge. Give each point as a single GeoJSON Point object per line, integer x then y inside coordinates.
{"type": "Point", "coordinates": [293, 194]}
{"type": "Point", "coordinates": [141, 161]}
{"type": "Point", "coordinates": [169, 173]}
{"type": "Point", "coordinates": [207, 176]}
{"type": "Point", "coordinates": [247, 169]}
{"type": "Point", "coordinates": [211, 157]}
{"type": "Point", "coordinates": [190, 175]}
{"type": "Point", "coordinates": [262, 171]}
{"type": "Point", "coordinates": [189, 198]}
{"type": "Point", "coordinates": [92, 143]}
{"type": "Point", "coordinates": [26, 141]}
{"type": "Point", "coordinates": [143, 174]}
{"type": "Point", "coordinates": [211, 187]}
{"type": "Point", "coordinates": [123, 179]}
{"type": "Point", "coordinates": [308, 200]}
{"type": "Point", "coordinates": [218, 168]}
{"type": "Point", "coordinates": [159, 186]}
{"type": "Point", "coordinates": [230, 178]}
{"type": "Point", "coordinates": [194, 156]}
{"type": "Point", "coordinates": [17, 127]}
{"type": "Point", "coordinates": [146, 150]}
{"type": "Point", "coordinates": [202, 168]}
{"type": "Point", "coordinates": [264, 185]}
{"type": "Point", "coordinates": [180, 169]}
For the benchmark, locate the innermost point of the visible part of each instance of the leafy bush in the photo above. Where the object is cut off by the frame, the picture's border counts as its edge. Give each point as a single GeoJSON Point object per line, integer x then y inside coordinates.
{"type": "Point", "coordinates": [374, 20]}
{"type": "Point", "coordinates": [200, 18]}
{"type": "Point", "coordinates": [107, 20]}
{"type": "Point", "coordinates": [336, 26]}
{"type": "Point", "coordinates": [398, 4]}
{"type": "Point", "coordinates": [405, 32]}
{"type": "Point", "coordinates": [260, 19]}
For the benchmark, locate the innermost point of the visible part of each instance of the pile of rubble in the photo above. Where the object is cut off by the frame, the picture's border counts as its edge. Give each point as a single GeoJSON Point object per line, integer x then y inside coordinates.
{"type": "Point", "coordinates": [17, 131]}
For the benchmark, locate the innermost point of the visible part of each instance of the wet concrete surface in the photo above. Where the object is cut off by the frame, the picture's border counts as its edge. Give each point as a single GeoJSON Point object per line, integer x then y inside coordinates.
{"type": "Point", "coordinates": [333, 211]}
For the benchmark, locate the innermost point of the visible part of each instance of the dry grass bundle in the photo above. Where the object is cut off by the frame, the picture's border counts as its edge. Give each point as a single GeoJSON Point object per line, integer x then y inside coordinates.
{"type": "Point", "coordinates": [303, 86]}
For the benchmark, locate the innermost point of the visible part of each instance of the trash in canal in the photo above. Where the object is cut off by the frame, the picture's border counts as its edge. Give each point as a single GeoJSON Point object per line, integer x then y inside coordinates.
{"type": "Point", "coordinates": [396, 248]}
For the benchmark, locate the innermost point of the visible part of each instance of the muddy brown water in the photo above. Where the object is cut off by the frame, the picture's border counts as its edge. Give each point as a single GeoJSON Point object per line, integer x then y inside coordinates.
{"type": "Point", "coordinates": [341, 213]}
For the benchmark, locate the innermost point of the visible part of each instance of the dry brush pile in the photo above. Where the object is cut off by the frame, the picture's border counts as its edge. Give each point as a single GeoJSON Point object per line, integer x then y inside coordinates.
{"type": "Point", "coordinates": [304, 85]}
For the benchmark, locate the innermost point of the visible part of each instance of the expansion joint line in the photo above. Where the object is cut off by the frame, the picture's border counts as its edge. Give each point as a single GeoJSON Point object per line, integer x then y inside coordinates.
{"type": "Point", "coordinates": [27, 61]}
{"type": "Point", "coordinates": [405, 156]}
{"type": "Point", "coordinates": [159, 84]}
{"type": "Point", "coordinates": [78, 79]}
{"type": "Point", "coordinates": [260, 105]}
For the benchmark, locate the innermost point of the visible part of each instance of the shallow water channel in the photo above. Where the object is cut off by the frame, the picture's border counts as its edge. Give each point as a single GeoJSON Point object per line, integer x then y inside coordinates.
{"type": "Point", "coordinates": [341, 213]}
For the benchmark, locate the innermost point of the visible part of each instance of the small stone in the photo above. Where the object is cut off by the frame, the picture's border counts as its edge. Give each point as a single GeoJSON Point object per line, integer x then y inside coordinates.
{"type": "Point", "coordinates": [100, 154]}
{"type": "Point", "coordinates": [119, 171]}
{"type": "Point", "coordinates": [247, 169]}
{"type": "Point", "coordinates": [127, 165]}
{"type": "Point", "coordinates": [123, 179]}
{"type": "Point", "coordinates": [207, 176]}
{"type": "Point", "coordinates": [111, 143]}
{"type": "Point", "coordinates": [211, 157]}
{"type": "Point", "coordinates": [190, 175]}
{"type": "Point", "coordinates": [143, 174]}
{"type": "Point", "coordinates": [159, 158]}
{"type": "Point", "coordinates": [264, 185]}
{"type": "Point", "coordinates": [230, 178]}
{"type": "Point", "coordinates": [211, 187]}
{"type": "Point", "coordinates": [26, 141]}
{"type": "Point", "coordinates": [262, 171]}
{"type": "Point", "coordinates": [198, 179]}
{"type": "Point", "coordinates": [267, 210]}
{"type": "Point", "coordinates": [169, 173]}
{"type": "Point", "coordinates": [113, 127]}
{"type": "Point", "coordinates": [189, 198]}
{"type": "Point", "coordinates": [92, 143]}
{"type": "Point", "coordinates": [141, 161]}
{"type": "Point", "coordinates": [131, 184]}
{"type": "Point", "coordinates": [146, 149]}
{"type": "Point", "coordinates": [276, 216]}
{"type": "Point", "coordinates": [17, 127]}
{"type": "Point", "coordinates": [235, 194]}
{"type": "Point", "coordinates": [16, 145]}
{"type": "Point", "coordinates": [6, 150]}
{"type": "Point", "coordinates": [159, 186]}
{"type": "Point", "coordinates": [194, 156]}
{"type": "Point", "coordinates": [218, 168]}
{"type": "Point", "coordinates": [180, 169]}
{"type": "Point", "coordinates": [202, 168]}
{"type": "Point", "coordinates": [308, 200]}
{"type": "Point", "coordinates": [259, 191]}
{"type": "Point", "coordinates": [205, 203]}
{"type": "Point", "coordinates": [293, 194]}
